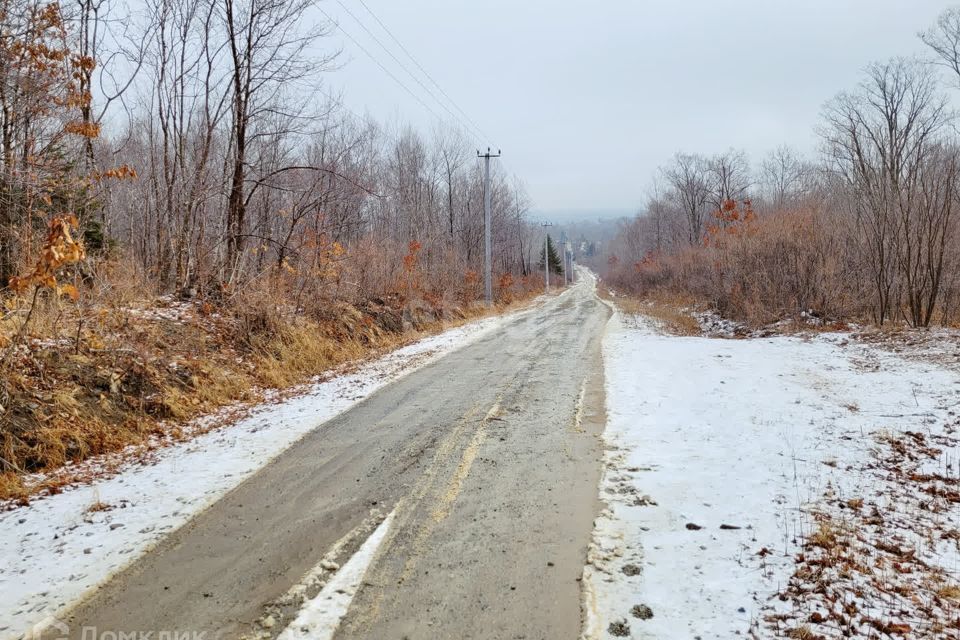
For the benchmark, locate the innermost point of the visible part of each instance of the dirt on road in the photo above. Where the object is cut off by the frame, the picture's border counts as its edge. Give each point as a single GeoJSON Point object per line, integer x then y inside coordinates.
{"type": "Point", "coordinates": [489, 460]}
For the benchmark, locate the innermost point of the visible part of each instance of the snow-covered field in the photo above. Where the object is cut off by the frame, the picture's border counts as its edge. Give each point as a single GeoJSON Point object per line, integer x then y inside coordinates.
{"type": "Point", "coordinates": [775, 487]}
{"type": "Point", "coordinates": [58, 547]}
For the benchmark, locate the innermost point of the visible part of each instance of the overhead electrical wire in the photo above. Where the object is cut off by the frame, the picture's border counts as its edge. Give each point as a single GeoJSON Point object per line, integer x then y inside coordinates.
{"type": "Point", "coordinates": [472, 129]}
{"type": "Point", "coordinates": [422, 70]}
{"type": "Point", "coordinates": [381, 65]}
{"type": "Point", "coordinates": [473, 133]}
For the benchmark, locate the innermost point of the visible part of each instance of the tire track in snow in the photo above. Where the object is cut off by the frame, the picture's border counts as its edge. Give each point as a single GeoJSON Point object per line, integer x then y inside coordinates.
{"type": "Point", "coordinates": [320, 616]}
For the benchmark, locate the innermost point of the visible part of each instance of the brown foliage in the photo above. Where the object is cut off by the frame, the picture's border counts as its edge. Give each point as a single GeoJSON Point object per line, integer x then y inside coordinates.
{"type": "Point", "coordinates": [59, 250]}
{"type": "Point", "coordinates": [757, 269]}
{"type": "Point", "coordinates": [122, 369]}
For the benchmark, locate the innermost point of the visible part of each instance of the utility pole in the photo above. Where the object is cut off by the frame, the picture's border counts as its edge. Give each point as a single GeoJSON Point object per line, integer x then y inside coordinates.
{"type": "Point", "coordinates": [487, 254]}
{"type": "Point", "coordinates": [563, 260]}
{"type": "Point", "coordinates": [546, 256]}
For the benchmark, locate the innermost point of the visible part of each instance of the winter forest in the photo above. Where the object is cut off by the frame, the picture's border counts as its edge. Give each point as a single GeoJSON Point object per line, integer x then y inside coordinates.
{"type": "Point", "coordinates": [196, 147]}
{"type": "Point", "coordinates": [867, 230]}
{"type": "Point", "coordinates": [185, 155]}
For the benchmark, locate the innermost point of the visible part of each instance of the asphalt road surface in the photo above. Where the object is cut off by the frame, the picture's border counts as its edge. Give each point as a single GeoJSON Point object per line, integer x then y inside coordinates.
{"type": "Point", "coordinates": [489, 459]}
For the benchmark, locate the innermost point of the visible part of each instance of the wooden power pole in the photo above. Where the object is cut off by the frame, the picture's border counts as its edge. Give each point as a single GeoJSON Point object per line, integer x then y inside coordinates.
{"type": "Point", "coordinates": [487, 252]}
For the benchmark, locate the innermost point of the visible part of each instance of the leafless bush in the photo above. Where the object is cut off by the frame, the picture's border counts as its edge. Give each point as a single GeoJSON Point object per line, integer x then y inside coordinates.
{"type": "Point", "coordinates": [869, 233]}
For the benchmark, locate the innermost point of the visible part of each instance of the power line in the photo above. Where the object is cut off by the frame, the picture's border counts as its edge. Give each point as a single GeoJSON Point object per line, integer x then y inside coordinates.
{"type": "Point", "coordinates": [392, 75]}
{"type": "Point", "coordinates": [422, 70]}
{"type": "Point", "coordinates": [410, 73]}
{"type": "Point", "coordinates": [381, 65]}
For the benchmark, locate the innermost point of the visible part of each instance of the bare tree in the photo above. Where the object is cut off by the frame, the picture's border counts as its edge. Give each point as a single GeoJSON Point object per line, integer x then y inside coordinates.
{"type": "Point", "coordinates": [786, 179]}
{"type": "Point", "coordinates": [729, 175]}
{"type": "Point", "coordinates": [187, 102]}
{"type": "Point", "coordinates": [267, 47]}
{"type": "Point", "coordinates": [452, 156]}
{"type": "Point", "coordinates": [691, 187]}
{"type": "Point", "coordinates": [882, 140]}
{"type": "Point", "coordinates": [944, 39]}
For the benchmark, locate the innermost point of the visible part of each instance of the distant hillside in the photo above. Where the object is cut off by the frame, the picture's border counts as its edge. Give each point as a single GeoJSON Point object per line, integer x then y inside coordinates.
{"type": "Point", "coordinates": [568, 216]}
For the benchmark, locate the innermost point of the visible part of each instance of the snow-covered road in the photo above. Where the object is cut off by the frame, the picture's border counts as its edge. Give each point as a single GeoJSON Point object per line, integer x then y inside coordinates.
{"type": "Point", "coordinates": [726, 458]}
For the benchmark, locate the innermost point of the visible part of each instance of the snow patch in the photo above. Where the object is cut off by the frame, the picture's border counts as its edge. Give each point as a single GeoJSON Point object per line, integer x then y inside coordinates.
{"type": "Point", "coordinates": [320, 616]}
{"type": "Point", "coordinates": [59, 547]}
{"type": "Point", "coordinates": [725, 456]}
{"type": "Point", "coordinates": [712, 324]}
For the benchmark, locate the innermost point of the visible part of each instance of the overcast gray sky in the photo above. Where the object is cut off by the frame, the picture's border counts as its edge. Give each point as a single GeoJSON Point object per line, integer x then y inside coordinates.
{"type": "Point", "coordinates": [587, 99]}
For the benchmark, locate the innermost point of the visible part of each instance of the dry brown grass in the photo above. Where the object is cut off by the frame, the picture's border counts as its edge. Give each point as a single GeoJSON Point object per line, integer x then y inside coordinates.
{"type": "Point", "coordinates": [827, 537]}
{"type": "Point", "coordinates": [949, 592]}
{"type": "Point", "coordinates": [671, 311]}
{"type": "Point", "coordinates": [99, 506]}
{"type": "Point", "coordinates": [300, 351]}
{"type": "Point", "coordinates": [802, 633]}
{"type": "Point", "coordinates": [140, 368]}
